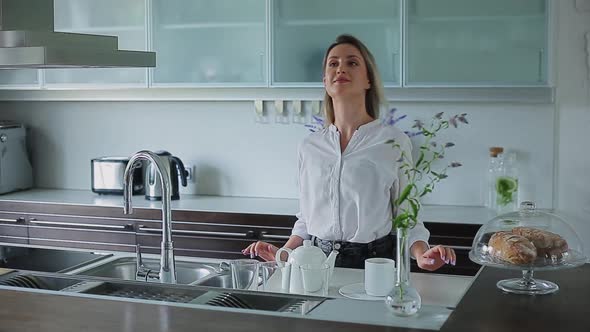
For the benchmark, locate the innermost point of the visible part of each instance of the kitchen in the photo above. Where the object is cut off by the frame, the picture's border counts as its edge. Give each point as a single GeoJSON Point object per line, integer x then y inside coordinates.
{"type": "Point", "coordinates": [250, 158]}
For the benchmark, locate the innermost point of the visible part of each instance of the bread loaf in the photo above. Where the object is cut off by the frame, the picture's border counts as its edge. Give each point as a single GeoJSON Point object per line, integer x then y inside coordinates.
{"type": "Point", "coordinates": [512, 248]}
{"type": "Point", "coordinates": [548, 244]}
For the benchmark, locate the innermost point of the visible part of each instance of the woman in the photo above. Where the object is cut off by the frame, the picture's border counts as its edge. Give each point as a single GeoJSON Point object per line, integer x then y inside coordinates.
{"type": "Point", "coordinates": [348, 176]}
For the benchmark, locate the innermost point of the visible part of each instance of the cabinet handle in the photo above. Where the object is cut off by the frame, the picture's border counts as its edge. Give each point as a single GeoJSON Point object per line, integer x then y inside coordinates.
{"type": "Point", "coordinates": [265, 235]}
{"type": "Point", "coordinates": [261, 56]}
{"type": "Point", "coordinates": [540, 68]}
{"type": "Point", "coordinates": [394, 65]}
{"type": "Point", "coordinates": [14, 221]}
{"type": "Point", "coordinates": [185, 232]}
{"type": "Point", "coordinates": [57, 223]}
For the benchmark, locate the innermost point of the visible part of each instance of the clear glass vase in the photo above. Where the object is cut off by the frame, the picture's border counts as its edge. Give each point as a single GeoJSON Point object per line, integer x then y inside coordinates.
{"type": "Point", "coordinates": [404, 299]}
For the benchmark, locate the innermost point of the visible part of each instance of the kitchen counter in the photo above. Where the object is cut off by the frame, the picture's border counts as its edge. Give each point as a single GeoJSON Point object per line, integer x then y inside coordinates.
{"type": "Point", "coordinates": [483, 307]}
{"type": "Point", "coordinates": [440, 294]}
{"type": "Point", "coordinates": [250, 205]}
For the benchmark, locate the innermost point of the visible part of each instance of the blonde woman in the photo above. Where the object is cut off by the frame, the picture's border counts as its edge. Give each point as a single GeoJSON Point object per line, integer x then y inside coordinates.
{"type": "Point", "coordinates": [347, 175]}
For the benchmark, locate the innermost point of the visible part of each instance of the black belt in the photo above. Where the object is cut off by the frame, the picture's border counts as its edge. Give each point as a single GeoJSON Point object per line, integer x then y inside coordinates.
{"type": "Point", "coordinates": [329, 245]}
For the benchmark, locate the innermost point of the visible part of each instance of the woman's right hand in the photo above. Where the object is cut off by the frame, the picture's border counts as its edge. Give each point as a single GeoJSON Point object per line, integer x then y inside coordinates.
{"type": "Point", "coordinates": [261, 249]}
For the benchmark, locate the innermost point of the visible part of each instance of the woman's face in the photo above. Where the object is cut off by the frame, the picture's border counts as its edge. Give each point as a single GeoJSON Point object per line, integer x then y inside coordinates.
{"type": "Point", "coordinates": [346, 72]}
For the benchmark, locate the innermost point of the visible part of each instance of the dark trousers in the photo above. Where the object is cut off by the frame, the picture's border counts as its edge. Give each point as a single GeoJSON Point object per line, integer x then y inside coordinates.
{"type": "Point", "coordinates": [353, 255]}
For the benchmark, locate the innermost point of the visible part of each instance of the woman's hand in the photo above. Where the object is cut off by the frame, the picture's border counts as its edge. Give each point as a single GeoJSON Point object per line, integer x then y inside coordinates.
{"type": "Point", "coordinates": [261, 249]}
{"type": "Point", "coordinates": [431, 259]}
{"type": "Point", "coordinates": [435, 257]}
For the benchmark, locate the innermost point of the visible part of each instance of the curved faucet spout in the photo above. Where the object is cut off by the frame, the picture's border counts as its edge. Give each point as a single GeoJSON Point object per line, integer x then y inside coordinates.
{"type": "Point", "coordinates": [167, 265]}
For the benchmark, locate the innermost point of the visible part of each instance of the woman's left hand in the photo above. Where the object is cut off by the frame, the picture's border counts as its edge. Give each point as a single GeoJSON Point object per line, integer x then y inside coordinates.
{"type": "Point", "coordinates": [435, 257]}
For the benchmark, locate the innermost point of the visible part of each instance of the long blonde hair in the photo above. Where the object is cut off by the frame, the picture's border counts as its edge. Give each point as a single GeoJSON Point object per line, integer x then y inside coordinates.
{"type": "Point", "coordinates": [373, 96]}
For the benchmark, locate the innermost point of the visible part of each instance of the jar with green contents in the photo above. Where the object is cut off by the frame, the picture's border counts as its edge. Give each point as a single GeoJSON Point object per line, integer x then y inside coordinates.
{"type": "Point", "coordinates": [506, 184]}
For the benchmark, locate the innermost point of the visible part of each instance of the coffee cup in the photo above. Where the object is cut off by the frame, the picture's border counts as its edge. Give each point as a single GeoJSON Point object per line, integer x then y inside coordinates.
{"type": "Point", "coordinates": [379, 276]}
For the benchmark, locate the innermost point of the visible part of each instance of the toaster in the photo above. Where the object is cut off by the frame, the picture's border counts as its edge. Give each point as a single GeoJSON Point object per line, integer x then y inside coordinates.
{"type": "Point", "coordinates": [107, 176]}
{"type": "Point", "coordinates": [16, 172]}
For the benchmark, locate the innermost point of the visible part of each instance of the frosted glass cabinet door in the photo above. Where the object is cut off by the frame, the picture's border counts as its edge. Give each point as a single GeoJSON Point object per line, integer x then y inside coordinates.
{"type": "Point", "coordinates": [124, 19]}
{"type": "Point", "coordinates": [303, 30]}
{"type": "Point", "coordinates": [18, 77]}
{"type": "Point", "coordinates": [210, 42]}
{"type": "Point", "coordinates": [476, 42]}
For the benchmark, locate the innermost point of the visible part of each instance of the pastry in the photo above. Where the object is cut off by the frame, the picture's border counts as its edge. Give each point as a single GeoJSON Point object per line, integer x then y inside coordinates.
{"type": "Point", "coordinates": [548, 244]}
{"type": "Point", "coordinates": [512, 248]}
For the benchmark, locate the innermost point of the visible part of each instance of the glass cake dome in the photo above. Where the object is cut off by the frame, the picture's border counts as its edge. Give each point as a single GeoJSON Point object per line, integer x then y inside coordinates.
{"type": "Point", "coordinates": [529, 240]}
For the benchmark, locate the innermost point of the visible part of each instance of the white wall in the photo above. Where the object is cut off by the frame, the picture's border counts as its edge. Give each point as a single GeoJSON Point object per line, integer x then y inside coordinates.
{"type": "Point", "coordinates": [573, 105]}
{"type": "Point", "coordinates": [235, 156]}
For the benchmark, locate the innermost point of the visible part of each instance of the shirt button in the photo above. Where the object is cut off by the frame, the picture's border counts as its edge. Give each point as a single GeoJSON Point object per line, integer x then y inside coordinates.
{"type": "Point", "coordinates": [337, 246]}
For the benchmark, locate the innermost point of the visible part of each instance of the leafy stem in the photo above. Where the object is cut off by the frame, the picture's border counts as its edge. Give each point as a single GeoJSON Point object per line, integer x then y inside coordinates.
{"type": "Point", "coordinates": [421, 176]}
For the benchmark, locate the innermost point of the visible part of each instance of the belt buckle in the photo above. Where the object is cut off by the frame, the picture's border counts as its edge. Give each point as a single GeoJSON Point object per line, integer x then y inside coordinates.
{"type": "Point", "coordinates": [335, 245]}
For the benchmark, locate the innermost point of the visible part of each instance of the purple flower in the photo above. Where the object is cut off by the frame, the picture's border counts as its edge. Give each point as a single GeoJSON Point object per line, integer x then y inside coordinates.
{"type": "Point", "coordinates": [453, 121]}
{"type": "Point", "coordinates": [418, 124]}
{"type": "Point", "coordinates": [463, 118]}
{"type": "Point", "coordinates": [449, 144]}
{"type": "Point", "coordinates": [455, 164]}
{"type": "Point", "coordinates": [439, 115]}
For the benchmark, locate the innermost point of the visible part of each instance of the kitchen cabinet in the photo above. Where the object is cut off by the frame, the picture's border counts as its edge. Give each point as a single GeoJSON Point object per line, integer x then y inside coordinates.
{"type": "Point", "coordinates": [194, 233]}
{"type": "Point", "coordinates": [302, 30]}
{"type": "Point", "coordinates": [124, 19]}
{"type": "Point", "coordinates": [19, 77]}
{"type": "Point", "coordinates": [204, 42]}
{"type": "Point", "coordinates": [476, 43]}
{"type": "Point", "coordinates": [87, 232]}
{"type": "Point", "coordinates": [281, 43]}
{"type": "Point", "coordinates": [218, 235]}
{"type": "Point", "coordinates": [13, 228]}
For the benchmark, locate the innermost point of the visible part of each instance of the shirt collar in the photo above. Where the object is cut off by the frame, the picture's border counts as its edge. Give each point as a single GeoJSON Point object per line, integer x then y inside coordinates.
{"type": "Point", "coordinates": [362, 129]}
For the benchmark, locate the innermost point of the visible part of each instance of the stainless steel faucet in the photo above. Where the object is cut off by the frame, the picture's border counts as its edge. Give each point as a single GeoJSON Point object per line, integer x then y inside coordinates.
{"type": "Point", "coordinates": [167, 273]}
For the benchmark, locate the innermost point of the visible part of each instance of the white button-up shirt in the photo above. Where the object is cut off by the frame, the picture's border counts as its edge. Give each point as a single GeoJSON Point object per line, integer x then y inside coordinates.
{"type": "Point", "coordinates": [346, 196]}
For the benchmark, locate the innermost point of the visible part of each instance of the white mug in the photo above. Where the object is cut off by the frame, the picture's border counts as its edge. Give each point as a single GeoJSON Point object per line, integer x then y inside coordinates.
{"type": "Point", "coordinates": [379, 276]}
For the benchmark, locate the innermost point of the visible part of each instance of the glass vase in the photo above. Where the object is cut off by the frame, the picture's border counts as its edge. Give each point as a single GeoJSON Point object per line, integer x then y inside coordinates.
{"type": "Point", "coordinates": [404, 299]}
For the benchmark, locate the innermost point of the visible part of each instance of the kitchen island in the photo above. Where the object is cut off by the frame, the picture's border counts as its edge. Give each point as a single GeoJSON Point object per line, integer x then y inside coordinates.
{"type": "Point", "coordinates": [482, 307]}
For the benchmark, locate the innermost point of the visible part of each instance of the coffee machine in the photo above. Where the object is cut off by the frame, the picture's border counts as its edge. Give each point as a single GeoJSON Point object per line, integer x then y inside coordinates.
{"type": "Point", "coordinates": [153, 188]}
{"type": "Point", "coordinates": [16, 172]}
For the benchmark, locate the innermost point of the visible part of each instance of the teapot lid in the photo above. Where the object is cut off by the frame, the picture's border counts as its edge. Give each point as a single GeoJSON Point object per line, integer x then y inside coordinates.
{"type": "Point", "coordinates": [308, 254]}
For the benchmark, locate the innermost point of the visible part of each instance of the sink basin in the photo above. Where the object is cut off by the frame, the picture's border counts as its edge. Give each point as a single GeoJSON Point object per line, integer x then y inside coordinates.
{"type": "Point", "coordinates": [125, 268]}
{"type": "Point", "coordinates": [216, 280]}
{"type": "Point", "coordinates": [45, 260]}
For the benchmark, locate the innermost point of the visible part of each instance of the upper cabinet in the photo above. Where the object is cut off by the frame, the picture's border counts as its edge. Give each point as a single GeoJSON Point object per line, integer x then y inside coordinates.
{"type": "Point", "coordinates": [281, 43]}
{"type": "Point", "coordinates": [210, 42]}
{"type": "Point", "coordinates": [303, 29]}
{"type": "Point", "coordinates": [476, 42]}
{"type": "Point", "coordinates": [19, 77]}
{"type": "Point", "coordinates": [124, 19]}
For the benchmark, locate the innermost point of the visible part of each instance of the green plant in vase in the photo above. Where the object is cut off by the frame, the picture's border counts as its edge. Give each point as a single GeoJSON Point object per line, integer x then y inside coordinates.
{"type": "Point", "coordinates": [422, 177]}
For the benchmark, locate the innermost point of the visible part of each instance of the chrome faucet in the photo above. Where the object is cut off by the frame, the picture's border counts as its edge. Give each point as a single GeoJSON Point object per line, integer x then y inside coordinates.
{"type": "Point", "coordinates": [167, 273]}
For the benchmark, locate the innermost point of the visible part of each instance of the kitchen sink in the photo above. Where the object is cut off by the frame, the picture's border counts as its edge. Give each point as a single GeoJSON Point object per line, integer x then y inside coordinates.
{"type": "Point", "coordinates": [125, 268]}
{"type": "Point", "coordinates": [222, 280]}
{"type": "Point", "coordinates": [292, 303]}
{"type": "Point", "coordinates": [45, 260]}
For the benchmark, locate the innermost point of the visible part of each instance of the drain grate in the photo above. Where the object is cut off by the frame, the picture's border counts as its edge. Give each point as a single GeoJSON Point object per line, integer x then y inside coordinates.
{"type": "Point", "coordinates": [22, 281]}
{"type": "Point", "coordinates": [146, 294]}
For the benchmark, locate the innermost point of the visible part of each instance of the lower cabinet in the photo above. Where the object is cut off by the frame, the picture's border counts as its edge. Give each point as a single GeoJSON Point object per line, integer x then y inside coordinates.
{"type": "Point", "coordinates": [13, 228]}
{"type": "Point", "coordinates": [82, 232]}
{"type": "Point", "coordinates": [194, 233]}
{"type": "Point", "coordinates": [208, 240]}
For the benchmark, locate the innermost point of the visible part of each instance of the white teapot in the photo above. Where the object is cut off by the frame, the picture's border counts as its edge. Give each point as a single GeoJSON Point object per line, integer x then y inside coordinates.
{"type": "Point", "coordinates": [305, 254]}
